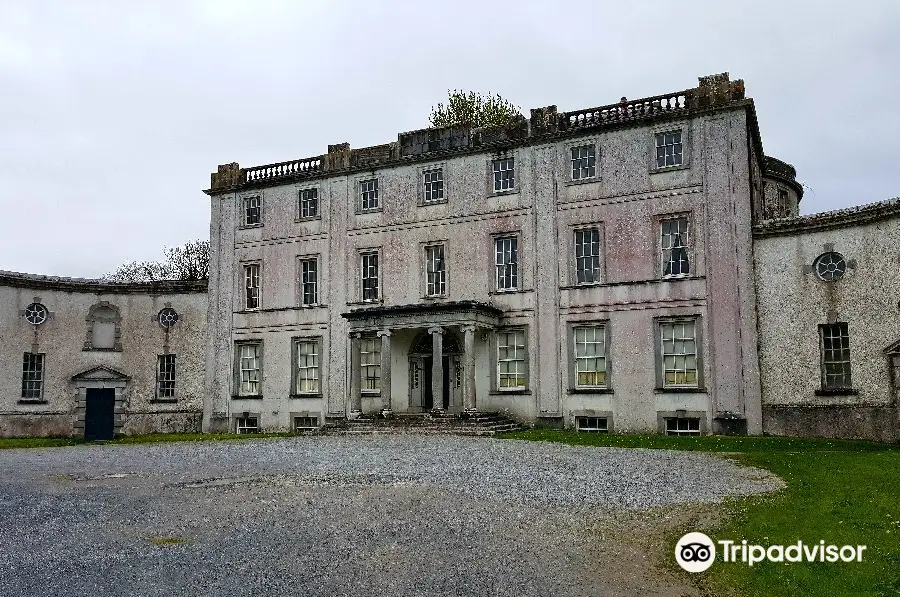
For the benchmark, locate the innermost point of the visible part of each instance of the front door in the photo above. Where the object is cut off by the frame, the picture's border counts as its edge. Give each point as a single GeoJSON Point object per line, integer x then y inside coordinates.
{"type": "Point", "coordinates": [427, 394]}
{"type": "Point", "coordinates": [99, 414]}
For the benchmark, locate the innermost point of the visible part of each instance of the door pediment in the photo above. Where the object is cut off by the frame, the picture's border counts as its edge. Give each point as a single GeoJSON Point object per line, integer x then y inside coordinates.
{"type": "Point", "coordinates": [101, 373]}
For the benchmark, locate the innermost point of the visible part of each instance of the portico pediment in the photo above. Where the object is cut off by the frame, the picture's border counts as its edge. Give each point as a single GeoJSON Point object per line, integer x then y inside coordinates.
{"type": "Point", "coordinates": [449, 313]}
{"type": "Point", "coordinates": [101, 373]}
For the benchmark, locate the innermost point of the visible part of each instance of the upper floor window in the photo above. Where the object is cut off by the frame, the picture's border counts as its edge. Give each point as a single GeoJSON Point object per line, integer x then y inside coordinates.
{"type": "Point", "coordinates": [435, 271]}
{"type": "Point", "coordinates": [165, 376]}
{"type": "Point", "coordinates": [306, 373]}
{"type": "Point", "coordinates": [370, 363]}
{"type": "Point", "coordinates": [590, 356]}
{"type": "Point", "coordinates": [309, 281]}
{"type": "Point", "coordinates": [679, 353]}
{"type": "Point", "coordinates": [584, 162]}
{"type": "Point", "coordinates": [504, 174]}
{"type": "Point", "coordinates": [669, 149]}
{"type": "Point", "coordinates": [830, 266]}
{"type": "Point", "coordinates": [507, 262]}
{"type": "Point", "coordinates": [835, 351]}
{"type": "Point", "coordinates": [309, 203]}
{"type": "Point", "coordinates": [511, 360]}
{"type": "Point", "coordinates": [251, 212]}
{"type": "Point", "coordinates": [32, 376]}
{"type": "Point", "coordinates": [369, 265]}
{"type": "Point", "coordinates": [587, 256]}
{"type": "Point", "coordinates": [368, 194]}
{"type": "Point", "coordinates": [251, 286]}
{"type": "Point", "coordinates": [434, 185]}
{"type": "Point", "coordinates": [675, 241]}
{"type": "Point", "coordinates": [36, 313]}
{"type": "Point", "coordinates": [167, 317]}
{"type": "Point", "coordinates": [249, 369]}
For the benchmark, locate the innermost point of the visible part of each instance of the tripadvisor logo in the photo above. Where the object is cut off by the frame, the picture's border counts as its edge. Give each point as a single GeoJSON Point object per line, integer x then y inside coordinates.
{"type": "Point", "coordinates": [696, 552]}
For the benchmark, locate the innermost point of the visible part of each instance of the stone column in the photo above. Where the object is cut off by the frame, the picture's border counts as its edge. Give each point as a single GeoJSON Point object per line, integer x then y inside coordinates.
{"type": "Point", "coordinates": [385, 336]}
{"type": "Point", "coordinates": [355, 381]}
{"type": "Point", "coordinates": [437, 368]}
{"type": "Point", "coordinates": [469, 404]}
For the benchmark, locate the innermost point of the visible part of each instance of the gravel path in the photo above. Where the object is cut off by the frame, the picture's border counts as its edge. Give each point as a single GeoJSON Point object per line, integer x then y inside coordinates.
{"type": "Point", "coordinates": [394, 515]}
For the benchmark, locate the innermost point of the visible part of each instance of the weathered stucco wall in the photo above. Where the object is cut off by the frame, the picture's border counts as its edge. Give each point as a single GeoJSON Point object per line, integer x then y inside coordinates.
{"type": "Point", "coordinates": [62, 340]}
{"type": "Point", "coordinates": [794, 301]}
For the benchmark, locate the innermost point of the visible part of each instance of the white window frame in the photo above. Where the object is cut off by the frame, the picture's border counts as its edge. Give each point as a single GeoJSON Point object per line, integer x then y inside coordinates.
{"type": "Point", "coordinates": [307, 373]}
{"type": "Point", "coordinates": [304, 262]}
{"type": "Point", "coordinates": [684, 354]}
{"type": "Point", "coordinates": [500, 182]}
{"type": "Point", "coordinates": [576, 173]}
{"type": "Point", "coordinates": [370, 364]}
{"type": "Point", "coordinates": [519, 357]}
{"type": "Point", "coordinates": [596, 272]}
{"type": "Point", "coordinates": [307, 198]}
{"type": "Point", "coordinates": [591, 424]}
{"type": "Point", "coordinates": [252, 286]}
{"type": "Point", "coordinates": [599, 331]}
{"type": "Point", "coordinates": [839, 356]}
{"type": "Point", "coordinates": [433, 185]}
{"type": "Point", "coordinates": [435, 279]}
{"type": "Point", "coordinates": [33, 374]}
{"type": "Point", "coordinates": [248, 203]}
{"type": "Point", "coordinates": [365, 269]}
{"type": "Point", "coordinates": [246, 425]}
{"type": "Point", "coordinates": [506, 263]}
{"type": "Point", "coordinates": [662, 141]}
{"type": "Point", "coordinates": [296, 419]}
{"type": "Point", "coordinates": [165, 376]}
{"type": "Point", "coordinates": [683, 426]}
{"type": "Point", "coordinates": [246, 385]}
{"type": "Point", "coordinates": [368, 195]}
{"type": "Point", "coordinates": [667, 253]}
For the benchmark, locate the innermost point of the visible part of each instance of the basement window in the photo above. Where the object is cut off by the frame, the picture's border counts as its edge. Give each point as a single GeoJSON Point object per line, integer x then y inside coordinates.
{"type": "Point", "coordinates": [682, 426]}
{"type": "Point", "coordinates": [247, 424]}
{"type": "Point", "coordinates": [306, 423]}
{"type": "Point", "coordinates": [592, 424]}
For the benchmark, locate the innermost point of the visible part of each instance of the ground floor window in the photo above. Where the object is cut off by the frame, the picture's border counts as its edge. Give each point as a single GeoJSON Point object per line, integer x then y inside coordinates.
{"type": "Point", "coordinates": [247, 424]}
{"type": "Point", "coordinates": [370, 363]}
{"type": "Point", "coordinates": [592, 424]}
{"type": "Point", "coordinates": [306, 423]}
{"type": "Point", "coordinates": [32, 376]}
{"type": "Point", "coordinates": [678, 351]}
{"type": "Point", "coordinates": [249, 367]}
{"type": "Point", "coordinates": [306, 373]}
{"type": "Point", "coordinates": [682, 426]}
{"type": "Point", "coordinates": [835, 350]}
{"type": "Point", "coordinates": [511, 360]}
{"type": "Point", "coordinates": [165, 376]}
{"type": "Point", "coordinates": [590, 357]}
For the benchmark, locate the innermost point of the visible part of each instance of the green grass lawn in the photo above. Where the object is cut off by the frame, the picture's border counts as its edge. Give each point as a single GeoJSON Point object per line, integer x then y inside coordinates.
{"type": "Point", "coordinates": [841, 491]}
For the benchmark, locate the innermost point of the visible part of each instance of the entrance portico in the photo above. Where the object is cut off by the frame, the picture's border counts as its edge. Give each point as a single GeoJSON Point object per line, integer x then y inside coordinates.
{"type": "Point", "coordinates": [442, 371]}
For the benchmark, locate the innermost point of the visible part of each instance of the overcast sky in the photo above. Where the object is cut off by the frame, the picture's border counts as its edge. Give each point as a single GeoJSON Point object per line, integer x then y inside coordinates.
{"type": "Point", "coordinates": [112, 115]}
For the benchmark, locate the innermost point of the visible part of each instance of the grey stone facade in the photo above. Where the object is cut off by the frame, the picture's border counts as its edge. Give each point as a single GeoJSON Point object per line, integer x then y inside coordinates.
{"type": "Point", "coordinates": [716, 188]}
{"type": "Point", "coordinates": [99, 335]}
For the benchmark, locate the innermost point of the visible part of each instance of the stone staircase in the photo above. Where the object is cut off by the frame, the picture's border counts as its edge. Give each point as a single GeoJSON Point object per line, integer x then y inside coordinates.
{"type": "Point", "coordinates": [479, 424]}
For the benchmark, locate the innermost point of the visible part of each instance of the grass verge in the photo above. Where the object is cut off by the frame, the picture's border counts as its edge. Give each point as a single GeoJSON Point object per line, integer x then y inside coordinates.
{"type": "Point", "coordinates": [842, 492]}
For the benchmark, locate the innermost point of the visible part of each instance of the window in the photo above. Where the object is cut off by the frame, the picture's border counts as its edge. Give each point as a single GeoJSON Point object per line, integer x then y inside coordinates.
{"type": "Point", "coordinates": [370, 276]}
{"type": "Point", "coordinates": [511, 360]}
{"type": "Point", "coordinates": [830, 266]}
{"type": "Point", "coordinates": [584, 162]}
{"type": "Point", "coordinates": [679, 353]}
{"type": "Point", "coordinates": [370, 363]}
{"type": "Point", "coordinates": [309, 203]}
{"type": "Point", "coordinates": [434, 185]}
{"type": "Point", "coordinates": [504, 174]}
{"type": "Point", "coordinates": [782, 203]}
{"type": "Point", "coordinates": [587, 256]}
{"type": "Point", "coordinates": [167, 317]}
{"type": "Point", "coordinates": [251, 286]}
{"type": "Point", "coordinates": [675, 242]}
{"type": "Point", "coordinates": [165, 376]}
{"type": "Point", "coordinates": [590, 357]}
{"type": "Point", "coordinates": [592, 424]}
{"type": "Point", "coordinates": [306, 423]}
{"type": "Point", "coordinates": [249, 367]}
{"type": "Point", "coordinates": [246, 425]}
{"type": "Point", "coordinates": [835, 356]}
{"type": "Point", "coordinates": [368, 194]}
{"type": "Point", "coordinates": [435, 272]}
{"type": "Point", "coordinates": [682, 426]}
{"type": "Point", "coordinates": [309, 281]}
{"type": "Point", "coordinates": [306, 375]}
{"type": "Point", "coordinates": [251, 214]}
{"type": "Point", "coordinates": [36, 313]}
{"type": "Point", "coordinates": [668, 149]}
{"type": "Point", "coordinates": [32, 376]}
{"type": "Point", "coordinates": [507, 250]}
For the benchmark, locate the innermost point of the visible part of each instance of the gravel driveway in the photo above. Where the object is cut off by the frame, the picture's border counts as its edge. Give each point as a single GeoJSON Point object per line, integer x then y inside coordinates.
{"type": "Point", "coordinates": [395, 515]}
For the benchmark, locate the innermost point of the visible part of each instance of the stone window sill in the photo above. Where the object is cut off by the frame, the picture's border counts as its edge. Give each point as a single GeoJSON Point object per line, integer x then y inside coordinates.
{"type": "Point", "coordinates": [512, 392]}
{"type": "Point", "coordinates": [837, 392]}
{"type": "Point", "coordinates": [514, 191]}
{"type": "Point", "coordinates": [316, 396]}
{"type": "Point", "coordinates": [572, 182]}
{"type": "Point", "coordinates": [249, 226]}
{"type": "Point", "coordinates": [424, 203]}
{"type": "Point", "coordinates": [163, 400]}
{"type": "Point", "coordinates": [511, 291]}
{"type": "Point", "coordinates": [31, 401]}
{"type": "Point", "coordinates": [308, 219]}
{"type": "Point", "coordinates": [375, 210]}
{"type": "Point", "coordinates": [591, 390]}
{"type": "Point", "coordinates": [657, 170]}
{"type": "Point", "coordinates": [248, 397]}
{"type": "Point", "coordinates": [677, 390]}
